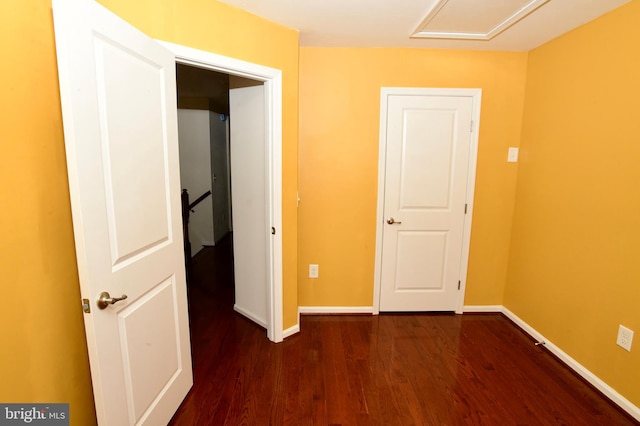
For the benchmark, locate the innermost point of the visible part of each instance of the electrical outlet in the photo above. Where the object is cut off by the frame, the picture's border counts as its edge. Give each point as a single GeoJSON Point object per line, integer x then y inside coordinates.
{"type": "Point", "coordinates": [625, 337]}
{"type": "Point", "coordinates": [313, 271]}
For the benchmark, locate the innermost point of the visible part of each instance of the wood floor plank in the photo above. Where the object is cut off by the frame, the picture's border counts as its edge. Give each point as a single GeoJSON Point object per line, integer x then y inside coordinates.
{"type": "Point", "coordinates": [393, 369]}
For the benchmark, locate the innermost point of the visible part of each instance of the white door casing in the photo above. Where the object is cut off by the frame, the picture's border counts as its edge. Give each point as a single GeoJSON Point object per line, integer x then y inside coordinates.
{"type": "Point", "coordinates": [119, 109]}
{"type": "Point", "coordinates": [428, 152]}
{"type": "Point", "coordinates": [272, 86]}
{"type": "Point", "coordinates": [248, 192]}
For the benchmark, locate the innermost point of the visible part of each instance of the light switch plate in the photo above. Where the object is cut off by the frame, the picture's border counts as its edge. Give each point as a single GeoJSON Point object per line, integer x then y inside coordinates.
{"type": "Point", "coordinates": [513, 155]}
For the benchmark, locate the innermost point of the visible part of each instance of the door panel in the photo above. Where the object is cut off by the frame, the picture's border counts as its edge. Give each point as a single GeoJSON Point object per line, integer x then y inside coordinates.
{"type": "Point", "coordinates": [425, 189]}
{"type": "Point", "coordinates": [132, 124]}
{"type": "Point", "coordinates": [145, 373]}
{"type": "Point", "coordinates": [426, 158]}
{"type": "Point", "coordinates": [120, 124]}
{"type": "Point", "coordinates": [420, 272]}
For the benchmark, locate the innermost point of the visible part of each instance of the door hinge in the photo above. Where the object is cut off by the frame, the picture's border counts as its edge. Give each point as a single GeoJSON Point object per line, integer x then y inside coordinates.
{"type": "Point", "coordinates": [471, 127]}
{"type": "Point", "coordinates": [86, 306]}
{"type": "Point", "coordinates": [273, 231]}
{"type": "Point", "coordinates": [465, 208]}
{"type": "Point", "coordinates": [458, 284]}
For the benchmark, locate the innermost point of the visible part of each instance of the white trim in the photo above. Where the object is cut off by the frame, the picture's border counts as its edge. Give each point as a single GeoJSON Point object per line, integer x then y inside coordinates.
{"type": "Point", "coordinates": [594, 380]}
{"type": "Point", "coordinates": [291, 331]}
{"type": "Point", "coordinates": [578, 368]}
{"type": "Point", "coordinates": [272, 79]}
{"type": "Point", "coordinates": [476, 96]}
{"type": "Point", "coordinates": [382, 171]}
{"type": "Point", "coordinates": [482, 308]}
{"type": "Point", "coordinates": [502, 25]}
{"type": "Point", "coordinates": [342, 310]}
{"type": "Point", "coordinates": [253, 317]}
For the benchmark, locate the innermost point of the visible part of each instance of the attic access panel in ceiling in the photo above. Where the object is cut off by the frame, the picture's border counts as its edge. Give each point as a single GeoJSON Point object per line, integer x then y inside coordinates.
{"type": "Point", "coordinates": [473, 19]}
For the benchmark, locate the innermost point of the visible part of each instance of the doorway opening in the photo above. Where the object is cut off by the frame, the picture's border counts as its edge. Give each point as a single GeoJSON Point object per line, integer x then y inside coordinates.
{"type": "Point", "coordinates": [205, 142]}
{"type": "Point", "coordinates": [263, 242]}
{"type": "Point", "coordinates": [203, 134]}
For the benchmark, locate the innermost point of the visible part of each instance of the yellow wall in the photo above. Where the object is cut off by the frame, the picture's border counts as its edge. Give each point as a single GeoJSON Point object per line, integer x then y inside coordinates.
{"type": "Point", "coordinates": [338, 165]}
{"type": "Point", "coordinates": [43, 356]}
{"type": "Point", "coordinates": [574, 271]}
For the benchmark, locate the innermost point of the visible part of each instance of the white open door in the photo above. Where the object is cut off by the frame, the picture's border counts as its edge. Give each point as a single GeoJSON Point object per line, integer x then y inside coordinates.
{"type": "Point", "coordinates": [120, 124]}
{"type": "Point", "coordinates": [249, 192]}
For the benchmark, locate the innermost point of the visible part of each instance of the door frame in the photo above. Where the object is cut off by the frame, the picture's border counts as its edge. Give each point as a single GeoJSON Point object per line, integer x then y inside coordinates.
{"type": "Point", "coordinates": [385, 93]}
{"type": "Point", "coordinates": [272, 79]}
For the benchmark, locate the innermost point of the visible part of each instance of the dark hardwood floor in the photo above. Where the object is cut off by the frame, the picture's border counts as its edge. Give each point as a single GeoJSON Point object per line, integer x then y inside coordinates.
{"type": "Point", "coordinates": [426, 369]}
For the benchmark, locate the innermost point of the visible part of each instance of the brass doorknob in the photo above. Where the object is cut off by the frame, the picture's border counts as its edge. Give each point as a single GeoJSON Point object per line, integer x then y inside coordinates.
{"type": "Point", "coordinates": [105, 299]}
{"type": "Point", "coordinates": [391, 221]}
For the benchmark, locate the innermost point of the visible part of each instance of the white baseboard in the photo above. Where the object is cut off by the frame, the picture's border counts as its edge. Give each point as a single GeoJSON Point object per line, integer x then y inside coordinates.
{"type": "Point", "coordinates": [482, 308]}
{"type": "Point", "coordinates": [251, 316]}
{"type": "Point", "coordinates": [594, 380]}
{"type": "Point", "coordinates": [342, 310]}
{"type": "Point", "coordinates": [291, 331]}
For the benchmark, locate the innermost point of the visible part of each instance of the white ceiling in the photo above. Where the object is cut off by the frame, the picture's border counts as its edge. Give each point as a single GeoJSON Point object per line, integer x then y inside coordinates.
{"type": "Point", "coordinates": [390, 23]}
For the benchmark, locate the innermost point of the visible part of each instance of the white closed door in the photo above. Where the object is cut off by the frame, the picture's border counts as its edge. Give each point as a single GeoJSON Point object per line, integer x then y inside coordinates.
{"type": "Point", "coordinates": [120, 126]}
{"type": "Point", "coordinates": [426, 184]}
